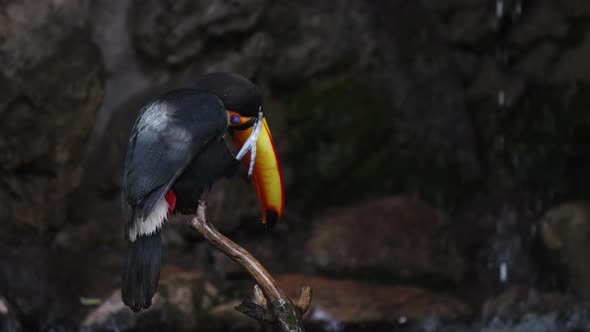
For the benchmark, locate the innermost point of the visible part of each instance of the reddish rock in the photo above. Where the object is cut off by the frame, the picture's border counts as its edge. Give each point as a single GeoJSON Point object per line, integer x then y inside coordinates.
{"type": "Point", "coordinates": [351, 302]}
{"type": "Point", "coordinates": [393, 237]}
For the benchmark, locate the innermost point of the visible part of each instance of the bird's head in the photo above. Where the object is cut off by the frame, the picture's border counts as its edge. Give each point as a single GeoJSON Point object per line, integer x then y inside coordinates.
{"type": "Point", "coordinates": [251, 135]}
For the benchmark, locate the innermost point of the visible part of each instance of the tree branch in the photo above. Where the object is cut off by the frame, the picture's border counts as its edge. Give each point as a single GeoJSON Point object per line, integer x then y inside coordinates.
{"type": "Point", "coordinates": [273, 305]}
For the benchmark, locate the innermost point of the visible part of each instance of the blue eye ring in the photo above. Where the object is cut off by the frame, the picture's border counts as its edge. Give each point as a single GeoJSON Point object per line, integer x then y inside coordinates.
{"type": "Point", "coordinates": [235, 119]}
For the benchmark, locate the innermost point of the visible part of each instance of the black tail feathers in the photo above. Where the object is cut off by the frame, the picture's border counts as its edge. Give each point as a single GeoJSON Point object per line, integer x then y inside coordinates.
{"type": "Point", "coordinates": [142, 271]}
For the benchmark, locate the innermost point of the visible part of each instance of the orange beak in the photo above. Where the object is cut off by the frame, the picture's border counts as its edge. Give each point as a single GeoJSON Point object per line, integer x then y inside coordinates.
{"type": "Point", "coordinates": [266, 175]}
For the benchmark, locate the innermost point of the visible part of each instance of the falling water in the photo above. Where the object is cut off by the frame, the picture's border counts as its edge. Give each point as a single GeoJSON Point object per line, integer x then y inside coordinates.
{"type": "Point", "coordinates": [503, 272]}
{"type": "Point", "coordinates": [518, 9]}
{"type": "Point", "coordinates": [501, 98]}
{"type": "Point", "coordinates": [499, 9]}
{"type": "Point", "coordinates": [330, 323]}
{"type": "Point", "coordinates": [507, 244]}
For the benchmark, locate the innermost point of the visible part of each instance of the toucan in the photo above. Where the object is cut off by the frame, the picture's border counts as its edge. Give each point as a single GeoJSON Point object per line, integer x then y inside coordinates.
{"type": "Point", "coordinates": [176, 151]}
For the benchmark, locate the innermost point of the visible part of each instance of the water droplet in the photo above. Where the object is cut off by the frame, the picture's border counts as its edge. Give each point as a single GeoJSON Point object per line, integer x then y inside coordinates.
{"type": "Point", "coordinates": [501, 98]}
{"type": "Point", "coordinates": [503, 272]}
{"type": "Point", "coordinates": [518, 8]}
{"type": "Point", "coordinates": [499, 9]}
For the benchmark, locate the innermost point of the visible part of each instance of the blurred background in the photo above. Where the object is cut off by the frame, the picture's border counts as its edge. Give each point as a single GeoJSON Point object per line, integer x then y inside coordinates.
{"type": "Point", "coordinates": [435, 153]}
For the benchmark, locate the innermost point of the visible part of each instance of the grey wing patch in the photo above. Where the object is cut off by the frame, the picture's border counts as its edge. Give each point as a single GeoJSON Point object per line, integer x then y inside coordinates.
{"type": "Point", "coordinates": [157, 152]}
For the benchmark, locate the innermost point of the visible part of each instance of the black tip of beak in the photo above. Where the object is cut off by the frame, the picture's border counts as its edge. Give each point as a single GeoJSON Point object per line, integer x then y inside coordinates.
{"type": "Point", "coordinates": [272, 217]}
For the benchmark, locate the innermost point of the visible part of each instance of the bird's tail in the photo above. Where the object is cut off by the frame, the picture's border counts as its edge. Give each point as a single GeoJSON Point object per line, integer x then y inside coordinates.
{"type": "Point", "coordinates": [142, 271]}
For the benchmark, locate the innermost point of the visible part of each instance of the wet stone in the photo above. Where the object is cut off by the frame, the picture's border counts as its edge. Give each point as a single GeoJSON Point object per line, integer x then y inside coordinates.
{"type": "Point", "coordinates": [564, 231]}
{"type": "Point", "coordinates": [9, 321]}
{"type": "Point", "coordinates": [354, 302]}
{"type": "Point", "coordinates": [393, 238]}
{"type": "Point", "coordinates": [181, 304]}
{"type": "Point", "coordinates": [516, 302]}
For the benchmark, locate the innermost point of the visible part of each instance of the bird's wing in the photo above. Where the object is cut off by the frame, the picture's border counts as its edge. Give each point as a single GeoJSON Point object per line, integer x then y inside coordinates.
{"type": "Point", "coordinates": [168, 134]}
{"type": "Point", "coordinates": [214, 162]}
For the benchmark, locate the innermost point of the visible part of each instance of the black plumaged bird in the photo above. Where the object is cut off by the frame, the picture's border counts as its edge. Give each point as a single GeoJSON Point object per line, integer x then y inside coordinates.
{"type": "Point", "coordinates": [176, 151]}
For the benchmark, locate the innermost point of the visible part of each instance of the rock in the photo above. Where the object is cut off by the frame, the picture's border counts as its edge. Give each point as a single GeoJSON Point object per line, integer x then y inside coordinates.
{"type": "Point", "coordinates": [305, 45]}
{"type": "Point", "coordinates": [465, 26]}
{"type": "Point", "coordinates": [393, 141]}
{"type": "Point", "coordinates": [446, 6]}
{"type": "Point", "coordinates": [33, 31]}
{"type": "Point", "coordinates": [249, 60]}
{"type": "Point", "coordinates": [497, 87]}
{"type": "Point", "coordinates": [522, 309]}
{"type": "Point", "coordinates": [173, 234]}
{"type": "Point", "coordinates": [125, 79]}
{"type": "Point", "coordinates": [232, 201]}
{"type": "Point", "coordinates": [516, 302]}
{"type": "Point", "coordinates": [537, 62]}
{"type": "Point", "coordinates": [89, 234]}
{"type": "Point", "coordinates": [565, 230]}
{"type": "Point", "coordinates": [393, 237]}
{"type": "Point", "coordinates": [412, 106]}
{"type": "Point", "coordinates": [51, 74]}
{"type": "Point", "coordinates": [314, 132]}
{"type": "Point", "coordinates": [111, 312]}
{"type": "Point", "coordinates": [576, 9]}
{"type": "Point", "coordinates": [354, 302]}
{"type": "Point", "coordinates": [227, 318]}
{"type": "Point", "coordinates": [176, 31]}
{"type": "Point", "coordinates": [181, 304]}
{"type": "Point", "coordinates": [542, 21]}
{"type": "Point", "coordinates": [26, 285]}
{"type": "Point", "coordinates": [570, 66]}
{"type": "Point", "coordinates": [550, 322]}
{"type": "Point", "coordinates": [9, 321]}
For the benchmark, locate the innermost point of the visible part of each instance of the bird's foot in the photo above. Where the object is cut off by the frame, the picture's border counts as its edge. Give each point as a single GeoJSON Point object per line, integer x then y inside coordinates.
{"type": "Point", "coordinates": [250, 144]}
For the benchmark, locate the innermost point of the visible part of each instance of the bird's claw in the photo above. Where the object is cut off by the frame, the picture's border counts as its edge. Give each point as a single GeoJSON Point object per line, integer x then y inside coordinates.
{"type": "Point", "coordinates": [250, 144]}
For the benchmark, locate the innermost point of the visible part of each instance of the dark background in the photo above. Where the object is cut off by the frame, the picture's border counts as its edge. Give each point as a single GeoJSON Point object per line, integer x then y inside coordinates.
{"type": "Point", "coordinates": [436, 157]}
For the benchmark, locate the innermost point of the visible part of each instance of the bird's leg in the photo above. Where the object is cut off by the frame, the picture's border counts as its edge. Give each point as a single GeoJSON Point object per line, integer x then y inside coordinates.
{"type": "Point", "coordinates": [250, 144]}
{"type": "Point", "coordinates": [273, 305]}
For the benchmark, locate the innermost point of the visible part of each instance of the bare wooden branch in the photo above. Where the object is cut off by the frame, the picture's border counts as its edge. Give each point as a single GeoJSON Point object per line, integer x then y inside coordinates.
{"type": "Point", "coordinates": [273, 305]}
{"type": "Point", "coordinates": [304, 300]}
{"type": "Point", "coordinates": [259, 295]}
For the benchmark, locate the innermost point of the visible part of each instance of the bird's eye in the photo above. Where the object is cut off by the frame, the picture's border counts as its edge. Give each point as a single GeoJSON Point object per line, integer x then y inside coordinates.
{"type": "Point", "coordinates": [235, 119]}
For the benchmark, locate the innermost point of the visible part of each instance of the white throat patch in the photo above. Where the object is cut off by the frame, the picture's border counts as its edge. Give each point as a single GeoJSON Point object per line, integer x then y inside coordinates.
{"type": "Point", "coordinates": [151, 223]}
